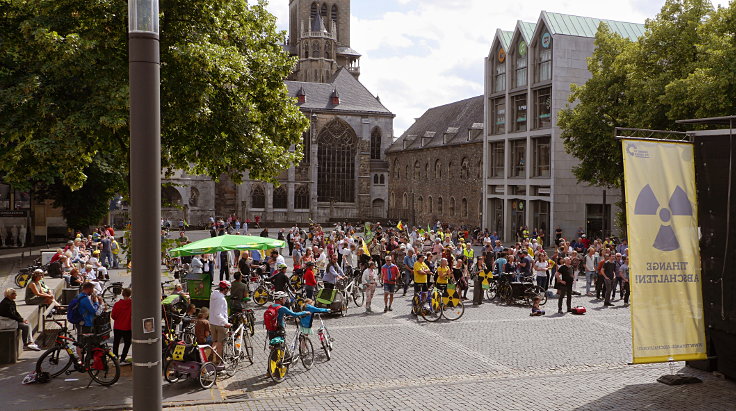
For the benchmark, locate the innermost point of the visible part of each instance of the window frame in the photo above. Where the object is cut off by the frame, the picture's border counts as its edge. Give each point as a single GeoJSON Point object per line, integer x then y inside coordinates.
{"type": "Point", "coordinates": [541, 122]}
{"type": "Point", "coordinates": [515, 107]}
{"type": "Point", "coordinates": [520, 168]}
{"type": "Point", "coordinates": [498, 127]}
{"type": "Point", "coordinates": [537, 154]}
{"type": "Point", "coordinates": [497, 170]}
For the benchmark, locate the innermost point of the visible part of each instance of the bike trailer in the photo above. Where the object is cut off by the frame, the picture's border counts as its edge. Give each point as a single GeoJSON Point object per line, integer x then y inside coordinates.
{"type": "Point", "coordinates": [325, 297]}
{"type": "Point", "coordinates": [579, 310]}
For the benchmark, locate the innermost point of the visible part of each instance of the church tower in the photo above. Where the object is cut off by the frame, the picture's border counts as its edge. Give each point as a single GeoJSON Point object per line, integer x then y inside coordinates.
{"type": "Point", "coordinates": [319, 34]}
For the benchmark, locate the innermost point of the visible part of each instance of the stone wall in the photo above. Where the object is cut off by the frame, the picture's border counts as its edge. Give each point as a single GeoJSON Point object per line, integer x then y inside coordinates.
{"type": "Point", "coordinates": [447, 185]}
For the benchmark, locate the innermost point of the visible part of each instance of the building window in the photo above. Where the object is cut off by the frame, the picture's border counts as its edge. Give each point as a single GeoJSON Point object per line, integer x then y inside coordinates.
{"type": "Point", "coordinates": [405, 201]}
{"type": "Point", "coordinates": [397, 170]}
{"type": "Point", "coordinates": [382, 179]}
{"type": "Point", "coordinates": [376, 144]}
{"type": "Point", "coordinates": [420, 204]}
{"type": "Point", "coordinates": [497, 159]}
{"type": "Point", "coordinates": [307, 146]}
{"type": "Point", "coordinates": [437, 170]}
{"type": "Point", "coordinates": [258, 197]}
{"type": "Point", "coordinates": [323, 12]}
{"type": "Point", "coordinates": [520, 64]}
{"type": "Point", "coordinates": [417, 170]}
{"type": "Point", "coordinates": [430, 205]}
{"type": "Point", "coordinates": [316, 52]}
{"type": "Point", "coordinates": [544, 57]}
{"type": "Point", "coordinates": [336, 159]}
{"type": "Point", "coordinates": [449, 170]}
{"type": "Point", "coordinates": [392, 200]}
{"type": "Point", "coordinates": [439, 205]}
{"type": "Point", "coordinates": [519, 112]}
{"type": "Point", "coordinates": [375, 179]}
{"type": "Point", "coordinates": [464, 207]}
{"type": "Point", "coordinates": [426, 171]}
{"type": "Point", "coordinates": [406, 173]}
{"type": "Point", "coordinates": [280, 198]}
{"type": "Point", "coordinates": [499, 116]}
{"type": "Point", "coordinates": [518, 158]}
{"type": "Point", "coordinates": [334, 19]}
{"type": "Point", "coordinates": [499, 72]}
{"type": "Point", "coordinates": [452, 207]}
{"type": "Point", "coordinates": [541, 156]}
{"type": "Point", "coordinates": [301, 198]}
{"type": "Point", "coordinates": [464, 169]}
{"type": "Point", "coordinates": [542, 108]}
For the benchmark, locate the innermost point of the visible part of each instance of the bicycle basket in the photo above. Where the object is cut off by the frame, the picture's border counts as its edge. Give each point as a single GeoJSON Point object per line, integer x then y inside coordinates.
{"type": "Point", "coordinates": [117, 288]}
{"type": "Point", "coordinates": [276, 341]}
{"type": "Point", "coordinates": [102, 324]}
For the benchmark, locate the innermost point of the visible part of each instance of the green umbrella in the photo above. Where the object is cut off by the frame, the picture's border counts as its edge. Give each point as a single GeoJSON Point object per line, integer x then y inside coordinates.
{"type": "Point", "coordinates": [227, 243]}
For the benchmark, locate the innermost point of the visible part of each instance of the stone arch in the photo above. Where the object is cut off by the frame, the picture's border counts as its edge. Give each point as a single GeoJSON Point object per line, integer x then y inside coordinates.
{"type": "Point", "coordinates": [170, 197]}
{"type": "Point", "coordinates": [336, 156]}
{"type": "Point", "coordinates": [379, 208]}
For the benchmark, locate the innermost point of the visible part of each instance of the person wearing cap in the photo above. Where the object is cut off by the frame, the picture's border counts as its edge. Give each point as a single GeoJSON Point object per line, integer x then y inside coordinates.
{"type": "Point", "coordinates": [37, 293]}
{"type": "Point", "coordinates": [279, 300]}
{"type": "Point", "coordinates": [279, 279]}
{"type": "Point", "coordinates": [218, 316]}
{"type": "Point", "coordinates": [369, 282]}
{"type": "Point", "coordinates": [310, 280]}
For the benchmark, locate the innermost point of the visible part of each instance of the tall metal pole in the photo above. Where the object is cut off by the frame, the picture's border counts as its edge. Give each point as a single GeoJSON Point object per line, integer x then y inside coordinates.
{"type": "Point", "coordinates": [145, 186]}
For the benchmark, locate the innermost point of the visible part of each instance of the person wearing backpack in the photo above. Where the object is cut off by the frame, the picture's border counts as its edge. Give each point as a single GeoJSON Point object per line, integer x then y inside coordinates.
{"type": "Point", "coordinates": [273, 317]}
{"type": "Point", "coordinates": [82, 311]}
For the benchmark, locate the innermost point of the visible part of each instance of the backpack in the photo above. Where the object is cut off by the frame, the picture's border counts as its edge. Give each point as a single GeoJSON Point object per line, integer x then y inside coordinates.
{"type": "Point", "coordinates": [73, 315]}
{"type": "Point", "coordinates": [271, 318]}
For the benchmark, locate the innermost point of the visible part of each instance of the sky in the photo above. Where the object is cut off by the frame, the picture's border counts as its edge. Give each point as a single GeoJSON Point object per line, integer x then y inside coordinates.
{"type": "Point", "coordinates": [419, 54]}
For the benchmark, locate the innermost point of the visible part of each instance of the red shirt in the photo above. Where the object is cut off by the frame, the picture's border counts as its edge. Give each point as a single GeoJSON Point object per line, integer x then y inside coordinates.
{"type": "Point", "coordinates": [121, 313]}
{"type": "Point", "coordinates": [309, 277]}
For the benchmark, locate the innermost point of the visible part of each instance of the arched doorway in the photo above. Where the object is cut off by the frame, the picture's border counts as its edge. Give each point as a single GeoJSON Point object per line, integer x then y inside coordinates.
{"type": "Point", "coordinates": [379, 208]}
{"type": "Point", "coordinates": [336, 152]}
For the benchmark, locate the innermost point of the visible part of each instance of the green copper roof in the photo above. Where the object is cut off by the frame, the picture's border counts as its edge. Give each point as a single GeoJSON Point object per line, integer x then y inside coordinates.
{"type": "Point", "coordinates": [527, 30]}
{"type": "Point", "coordinates": [505, 38]}
{"type": "Point", "coordinates": [569, 25]}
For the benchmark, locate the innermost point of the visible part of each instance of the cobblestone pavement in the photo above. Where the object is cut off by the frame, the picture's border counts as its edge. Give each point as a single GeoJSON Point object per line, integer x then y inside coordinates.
{"type": "Point", "coordinates": [494, 357]}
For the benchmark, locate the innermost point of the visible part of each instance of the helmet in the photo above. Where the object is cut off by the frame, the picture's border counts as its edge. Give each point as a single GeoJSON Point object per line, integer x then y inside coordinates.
{"type": "Point", "coordinates": [278, 295]}
{"type": "Point", "coordinates": [281, 266]}
{"type": "Point", "coordinates": [224, 284]}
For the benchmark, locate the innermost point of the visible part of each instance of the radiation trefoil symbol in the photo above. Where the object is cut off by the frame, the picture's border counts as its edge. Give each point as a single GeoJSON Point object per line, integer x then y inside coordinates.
{"type": "Point", "coordinates": [679, 204]}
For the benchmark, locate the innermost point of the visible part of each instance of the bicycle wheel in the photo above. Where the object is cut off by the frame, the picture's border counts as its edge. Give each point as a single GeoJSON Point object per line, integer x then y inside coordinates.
{"type": "Point", "coordinates": [344, 310]}
{"type": "Point", "coordinates": [21, 279]}
{"type": "Point", "coordinates": [251, 322]}
{"type": "Point", "coordinates": [109, 296]}
{"type": "Point", "coordinates": [296, 282]}
{"type": "Point", "coordinates": [276, 369]}
{"type": "Point", "coordinates": [415, 305]}
{"type": "Point", "coordinates": [432, 311]}
{"type": "Point", "coordinates": [104, 371]}
{"type": "Point", "coordinates": [260, 295]}
{"type": "Point", "coordinates": [492, 291]}
{"type": "Point", "coordinates": [247, 349]}
{"type": "Point", "coordinates": [453, 311]}
{"type": "Point", "coordinates": [207, 375]}
{"type": "Point", "coordinates": [324, 339]}
{"type": "Point", "coordinates": [541, 293]}
{"type": "Point", "coordinates": [229, 357]}
{"type": "Point", "coordinates": [306, 352]}
{"type": "Point", "coordinates": [170, 373]}
{"type": "Point", "coordinates": [504, 293]}
{"type": "Point", "coordinates": [358, 296]}
{"type": "Point", "coordinates": [54, 361]}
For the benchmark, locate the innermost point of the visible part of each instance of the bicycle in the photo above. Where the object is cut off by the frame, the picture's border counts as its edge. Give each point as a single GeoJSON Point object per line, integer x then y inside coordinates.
{"type": "Point", "coordinates": [324, 337]}
{"type": "Point", "coordinates": [97, 359]}
{"type": "Point", "coordinates": [282, 355]}
{"type": "Point", "coordinates": [238, 342]}
{"type": "Point", "coordinates": [351, 291]}
{"type": "Point", "coordinates": [443, 303]}
{"type": "Point", "coordinates": [24, 274]}
{"type": "Point", "coordinates": [511, 292]}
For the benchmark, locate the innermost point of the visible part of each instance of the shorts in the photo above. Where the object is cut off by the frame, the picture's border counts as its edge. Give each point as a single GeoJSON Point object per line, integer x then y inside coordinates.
{"type": "Point", "coordinates": [420, 287]}
{"type": "Point", "coordinates": [389, 288]}
{"type": "Point", "coordinates": [218, 332]}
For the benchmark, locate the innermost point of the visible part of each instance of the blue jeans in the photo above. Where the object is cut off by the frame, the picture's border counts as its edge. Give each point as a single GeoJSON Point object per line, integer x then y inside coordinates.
{"type": "Point", "coordinates": [542, 282]}
{"type": "Point", "coordinates": [588, 281]}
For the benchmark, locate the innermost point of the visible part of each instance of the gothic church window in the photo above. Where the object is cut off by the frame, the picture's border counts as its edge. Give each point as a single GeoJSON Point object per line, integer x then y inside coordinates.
{"type": "Point", "coordinates": [464, 207]}
{"type": "Point", "coordinates": [337, 145]}
{"type": "Point", "coordinates": [464, 169]}
{"type": "Point", "coordinates": [437, 170]}
{"type": "Point", "coordinates": [258, 197]}
{"type": "Point", "coordinates": [376, 144]}
{"type": "Point", "coordinates": [316, 53]}
{"type": "Point", "coordinates": [439, 205]}
{"type": "Point", "coordinates": [417, 170]}
{"type": "Point", "coordinates": [397, 170]}
{"type": "Point", "coordinates": [452, 206]}
{"type": "Point", "coordinates": [301, 197]}
{"type": "Point", "coordinates": [334, 17]}
{"type": "Point", "coordinates": [280, 198]}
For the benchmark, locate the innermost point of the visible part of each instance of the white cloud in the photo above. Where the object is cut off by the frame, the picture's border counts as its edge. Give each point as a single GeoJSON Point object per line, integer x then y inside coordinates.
{"type": "Point", "coordinates": [432, 53]}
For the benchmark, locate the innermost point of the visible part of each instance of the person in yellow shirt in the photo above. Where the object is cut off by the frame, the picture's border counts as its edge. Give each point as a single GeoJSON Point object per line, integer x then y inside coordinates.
{"type": "Point", "coordinates": [421, 271]}
{"type": "Point", "coordinates": [444, 273]}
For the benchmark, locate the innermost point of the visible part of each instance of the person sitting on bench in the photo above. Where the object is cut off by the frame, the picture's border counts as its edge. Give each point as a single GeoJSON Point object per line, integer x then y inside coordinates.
{"type": "Point", "coordinates": [9, 312]}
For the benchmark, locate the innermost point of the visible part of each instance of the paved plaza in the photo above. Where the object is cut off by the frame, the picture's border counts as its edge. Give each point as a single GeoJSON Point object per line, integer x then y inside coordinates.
{"type": "Point", "coordinates": [494, 357]}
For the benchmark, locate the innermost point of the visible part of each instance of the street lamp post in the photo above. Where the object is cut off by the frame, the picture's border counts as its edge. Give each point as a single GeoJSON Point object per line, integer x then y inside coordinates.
{"type": "Point", "coordinates": [145, 186]}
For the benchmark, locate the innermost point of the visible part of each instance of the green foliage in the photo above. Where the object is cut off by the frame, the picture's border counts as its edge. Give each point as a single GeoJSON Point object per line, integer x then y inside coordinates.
{"type": "Point", "coordinates": [64, 92]}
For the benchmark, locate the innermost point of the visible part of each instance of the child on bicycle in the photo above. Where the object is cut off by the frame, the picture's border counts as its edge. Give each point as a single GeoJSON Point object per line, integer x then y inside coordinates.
{"type": "Point", "coordinates": [305, 323]}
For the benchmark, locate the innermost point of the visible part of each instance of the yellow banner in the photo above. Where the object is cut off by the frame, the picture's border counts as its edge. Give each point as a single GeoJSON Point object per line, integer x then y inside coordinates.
{"type": "Point", "coordinates": [664, 256]}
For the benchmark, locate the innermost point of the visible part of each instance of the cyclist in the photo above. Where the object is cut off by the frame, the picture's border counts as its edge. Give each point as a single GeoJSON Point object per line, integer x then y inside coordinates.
{"type": "Point", "coordinates": [218, 315]}
{"type": "Point", "coordinates": [421, 271]}
{"type": "Point", "coordinates": [280, 280]}
{"type": "Point", "coordinates": [238, 293]}
{"type": "Point", "coordinates": [279, 298]}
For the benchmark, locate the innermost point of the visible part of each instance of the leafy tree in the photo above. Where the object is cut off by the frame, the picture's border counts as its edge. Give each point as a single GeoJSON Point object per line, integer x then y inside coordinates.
{"type": "Point", "coordinates": [64, 92]}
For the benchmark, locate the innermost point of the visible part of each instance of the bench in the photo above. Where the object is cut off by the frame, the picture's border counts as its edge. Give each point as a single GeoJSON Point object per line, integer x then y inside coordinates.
{"type": "Point", "coordinates": [34, 314]}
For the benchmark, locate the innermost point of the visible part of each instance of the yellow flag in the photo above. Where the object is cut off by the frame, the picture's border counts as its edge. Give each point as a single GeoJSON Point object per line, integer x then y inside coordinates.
{"type": "Point", "coordinates": [365, 248]}
{"type": "Point", "coordinates": [662, 216]}
{"type": "Point", "coordinates": [400, 226]}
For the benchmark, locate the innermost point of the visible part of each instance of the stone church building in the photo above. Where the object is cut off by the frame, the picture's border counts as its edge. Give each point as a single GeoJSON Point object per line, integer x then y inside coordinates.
{"type": "Point", "coordinates": [344, 173]}
{"type": "Point", "coordinates": [436, 167]}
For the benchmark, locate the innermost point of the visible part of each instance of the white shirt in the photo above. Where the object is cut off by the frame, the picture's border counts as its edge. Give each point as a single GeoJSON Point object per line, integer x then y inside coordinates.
{"type": "Point", "coordinates": [369, 276]}
{"type": "Point", "coordinates": [218, 308]}
{"type": "Point", "coordinates": [541, 268]}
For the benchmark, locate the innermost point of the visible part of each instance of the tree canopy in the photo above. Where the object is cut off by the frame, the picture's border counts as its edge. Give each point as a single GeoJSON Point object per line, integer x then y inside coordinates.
{"type": "Point", "coordinates": [682, 67]}
{"type": "Point", "coordinates": [64, 92]}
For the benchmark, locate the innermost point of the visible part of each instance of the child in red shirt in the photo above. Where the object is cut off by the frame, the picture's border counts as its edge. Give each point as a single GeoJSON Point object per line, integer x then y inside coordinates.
{"type": "Point", "coordinates": [310, 282]}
